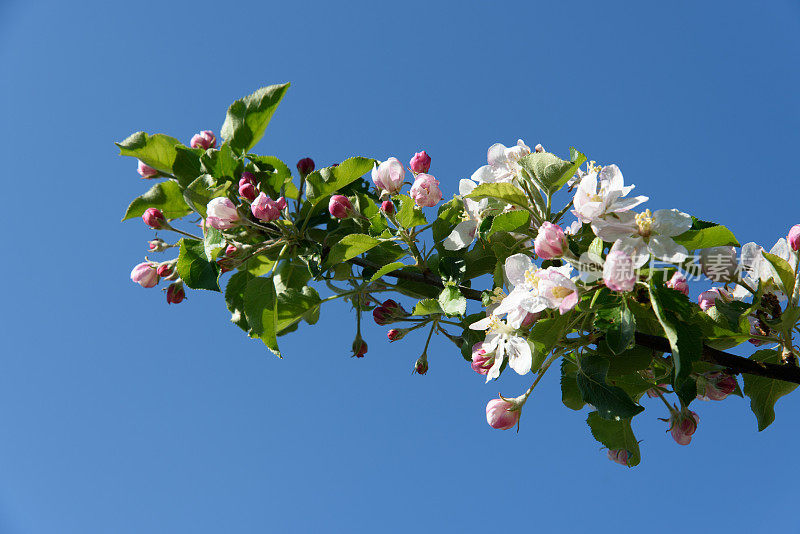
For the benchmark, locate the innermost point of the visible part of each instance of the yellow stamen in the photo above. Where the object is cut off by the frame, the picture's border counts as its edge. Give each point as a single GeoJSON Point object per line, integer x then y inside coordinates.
{"type": "Point", "coordinates": [644, 221]}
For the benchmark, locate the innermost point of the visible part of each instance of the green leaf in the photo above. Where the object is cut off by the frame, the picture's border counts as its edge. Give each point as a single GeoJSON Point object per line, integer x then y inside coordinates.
{"type": "Point", "coordinates": [783, 270]}
{"type": "Point", "coordinates": [547, 333]}
{"type": "Point", "coordinates": [448, 217]}
{"type": "Point", "coordinates": [386, 269]}
{"type": "Point", "coordinates": [290, 273]}
{"type": "Point", "coordinates": [634, 359]}
{"type": "Point", "coordinates": [452, 302]}
{"type": "Point", "coordinates": [732, 312]}
{"type": "Point", "coordinates": [157, 150]}
{"type": "Point", "coordinates": [503, 191]}
{"type": "Point", "coordinates": [611, 401]}
{"type": "Point", "coordinates": [323, 182]}
{"type": "Point", "coordinates": [570, 393]}
{"type": "Point", "coordinates": [222, 163]}
{"type": "Point", "coordinates": [509, 221]}
{"type": "Point", "coordinates": [234, 298]}
{"type": "Point", "coordinates": [248, 117]}
{"type": "Point", "coordinates": [212, 243]}
{"type": "Point", "coordinates": [349, 247]}
{"type": "Point", "coordinates": [193, 267]}
{"type": "Point", "coordinates": [202, 190]}
{"type": "Point", "coordinates": [619, 326]}
{"type": "Point", "coordinates": [550, 171]}
{"type": "Point", "coordinates": [260, 307]}
{"type": "Point", "coordinates": [615, 434]}
{"type": "Point", "coordinates": [674, 312]}
{"type": "Point", "coordinates": [713, 236]}
{"type": "Point", "coordinates": [765, 392]}
{"type": "Point", "coordinates": [293, 305]}
{"type": "Point", "coordinates": [166, 196]}
{"type": "Point", "coordinates": [427, 307]}
{"type": "Point", "coordinates": [452, 269]}
{"type": "Point", "coordinates": [409, 214]}
{"type": "Point", "coordinates": [186, 167]}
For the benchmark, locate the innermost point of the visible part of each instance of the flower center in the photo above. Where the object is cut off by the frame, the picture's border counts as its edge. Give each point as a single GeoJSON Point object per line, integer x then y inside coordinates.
{"type": "Point", "coordinates": [531, 280]}
{"type": "Point", "coordinates": [497, 295]}
{"type": "Point", "coordinates": [495, 323]}
{"type": "Point", "coordinates": [561, 292]}
{"type": "Point", "coordinates": [644, 221]}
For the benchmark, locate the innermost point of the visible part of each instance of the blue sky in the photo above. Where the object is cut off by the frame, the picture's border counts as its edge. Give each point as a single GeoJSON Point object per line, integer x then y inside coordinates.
{"type": "Point", "coordinates": [120, 414]}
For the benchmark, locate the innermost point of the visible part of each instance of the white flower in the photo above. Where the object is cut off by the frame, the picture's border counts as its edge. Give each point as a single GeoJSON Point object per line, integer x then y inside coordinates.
{"type": "Point", "coordinates": [464, 233]}
{"type": "Point", "coordinates": [645, 233]}
{"type": "Point", "coordinates": [502, 340]}
{"type": "Point", "coordinates": [756, 267]}
{"type": "Point", "coordinates": [591, 203]}
{"type": "Point", "coordinates": [559, 290]}
{"type": "Point", "coordinates": [503, 163]}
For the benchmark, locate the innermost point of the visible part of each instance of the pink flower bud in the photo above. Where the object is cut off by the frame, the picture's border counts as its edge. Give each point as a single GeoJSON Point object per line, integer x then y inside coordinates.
{"type": "Point", "coordinates": [222, 214]}
{"type": "Point", "coordinates": [305, 167]}
{"type": "Point", "coordinates": [682, 426]}
{"type": "Point", "coordinates": [425, 191]}
{"type": "Point", "coordinates": [550, 242]}
{"type": "Point", "coordinates": [678, 282]}
{"type": "Point", "coordinates": [620, 456]}
{"type": "Point", "coordinates": [618, 271]}
{"type": "Point", "coordinates": [719, 264]}
{"type": "Point", "coordinates": [154, 218]}
{"type": "Point", "coordinates": [175, 293]}
{"type": "Point", "coordinates": [157, 245]}
{"type": "Point", "coordinates": [707, 299]}
{"type": "Point", "coordinates": [502, 414]}
{"type": "Point", "coordinates": [247, 189]}
{"type": "Point", "coordinates": [145, 274]}
{"type": "Point", "coordinates": [387, 207]}
{"type": "Point", "coordinates": [389, 176]}
{"type": "Point", "coordinates": [794, 237]}
{"type": "Point", "coordinates": [146, 171]}
{"type": "Point", "coordinates": [538, 148]}
{"type": "Point", "coordinates": [266, 209]}
{"type": "Point", "coordinates": [394, 334]}
{"type": "Point", "coordinates": [204, 140]}
{"type": "Point", "coordinates": [421, 162]}
{"type": "Point", "coordinates": [388, 312]}
{"type": "Point", "coordinates": [718, 386]}
{"type": "Point", "coordinates": [231, 250]}
{"type": "Point", "coordinates": [481, 361]}
{"type": "Point", "coordinates": [421, 366]}
{"type": "Point", "coordinates": [248, 177]}
{"type": "Point", "coordinates": [340, 207]}
{"type": "Point", "coordinates": [166, 270]}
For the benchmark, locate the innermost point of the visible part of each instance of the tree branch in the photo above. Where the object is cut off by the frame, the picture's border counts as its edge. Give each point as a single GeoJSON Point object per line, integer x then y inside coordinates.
{"type": "Point", "coordinates": [735, 364]}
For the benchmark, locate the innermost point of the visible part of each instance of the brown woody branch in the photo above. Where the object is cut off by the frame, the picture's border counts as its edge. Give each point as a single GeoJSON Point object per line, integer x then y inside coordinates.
{"type": "Point", "coordinates": [733, 363]}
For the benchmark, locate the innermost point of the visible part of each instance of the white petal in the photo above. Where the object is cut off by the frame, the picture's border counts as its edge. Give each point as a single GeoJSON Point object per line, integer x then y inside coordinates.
{"type": "Point", "coordinates": [484, 174]}
{"type": "Point", "coordinates": [613, 176]}
{"type": "Point", "coordinates": [671, 222]}
{"type": "Point", "coordinates": [611, 228]}
{"type": "Point", "coordinates": [496, 155]}
{"type": "Point", "coordinates": [462, 235]}
{"type": "Point", "coordinates": [624, 204]}
{"type": "Point", "coordinates": [515, 268]}
{"type": "Point", "coordinates": [520, 357]}
{"type": "Point", "coordinates": [635, 247]}
{"type": "Point", "coordinates": [483, 324]}
{"type": "Point", "coordinates": [465, 187]}
{"type": "Point", "coordinates": [665, 248]}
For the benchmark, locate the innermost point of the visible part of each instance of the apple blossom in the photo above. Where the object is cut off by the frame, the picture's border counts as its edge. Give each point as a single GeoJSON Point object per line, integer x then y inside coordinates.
{"type": "Point", "coordinates": [204, 140]}
{"type": "Point", "coordinates": [678, 282]}
{"type": "Point", "coordinates": [503, 163]}
{"type": "Point", "coordinates": [619, 271]}
{"type": "Point", "coordinates": [718, 386]}
{"type": "Point", "coordinates": [646, 233]}
{"type": "Point", "coordinates": [682, 426]}
{"type": "Point", "coordinates": [247, 189]}
{"type": "Point", "coordinates": [145, 274]}
{"type": "Point", "coordinates": [503, 341]}
{"type": "Point", "coordinates": [266, 209]}
{"type": "Point", "coordinates": [464, 233]}
{"type": "Point", "coordinates": [592, 203]}
{"type": "Point", "coordinates": [421, 162]}
{"type": "Point", "coordinates": [221, 213]}
{"type": "Point", "coordinates": [707, 299]}
{"type": "Point", "coordinates": [145, 170]}
{"type": "Point", "coordinates": [481, 360]}
{"type": "Point", "coordinates": [425, 191]}
{"type": "Point", "coordinates": [340, 207]}
{"type": "Point", "coordinates": [389, 176]}
{"type": "Point", "coordinates": [523, 278]}
{"type": "Point", "coordinates": [719, 264]}
{"type": "Point", "coordinates": [550, 242]}
{"type": "Point", "coordinates": [502, 414]}
{"type": "Point", "coordinates": [558, 289]}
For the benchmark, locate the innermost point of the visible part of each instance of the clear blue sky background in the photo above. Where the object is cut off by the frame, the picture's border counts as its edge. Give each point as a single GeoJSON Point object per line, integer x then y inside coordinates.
{"type": "Point", "coordinates": [120, 414]}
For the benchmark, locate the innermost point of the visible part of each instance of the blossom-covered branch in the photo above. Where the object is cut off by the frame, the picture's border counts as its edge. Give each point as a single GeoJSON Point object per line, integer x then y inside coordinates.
{"type": "Point", "coordinates": [606, 297]}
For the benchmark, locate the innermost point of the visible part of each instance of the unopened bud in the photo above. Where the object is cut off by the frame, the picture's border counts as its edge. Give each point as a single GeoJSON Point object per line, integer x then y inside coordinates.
{"type": "Point", "coordinates": [340, 207]}
{"type": "Point", "coordinates": [502, 414]}
{"type": "Point", "coordinates": [231, 250]}
{"type": "Point", "coordinates": [387, 207]}
{"type": "Point", "coordinates": [421, 162]}
{"type": "Point", "coordinates": [359, 348]}
{"type": "Point", "coordinates": [550, 242]}
{"type": "Point", "coordinates": [146, 171]}
{"type": "Point", "coordinates": [157, 245]}
{"type": "Point", "coordinates": [421, 366]}
{"type": "Point", "coordinates": [794, 237]}
{"type": "Point", "coordinates": [166, 270]}
{"type": "Point", "coordinates": [620, 456]}
{"type": "Point", "coordinates": [396, 333]}
{"type": "Point", "coordinates": [204, 140]}
{"type": "Point", "coordinates": [305, 167]}
{"type": "Point", "coordinates": [682, 426]}
{"type": "Point", "coordinates": [678, 282]}
{"type": "Point", "coordinates": [145, 274]}
{"type": "Point", "coordinates": [175, 293]}
{"type": "Point", "coordinates": [154, 218]}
